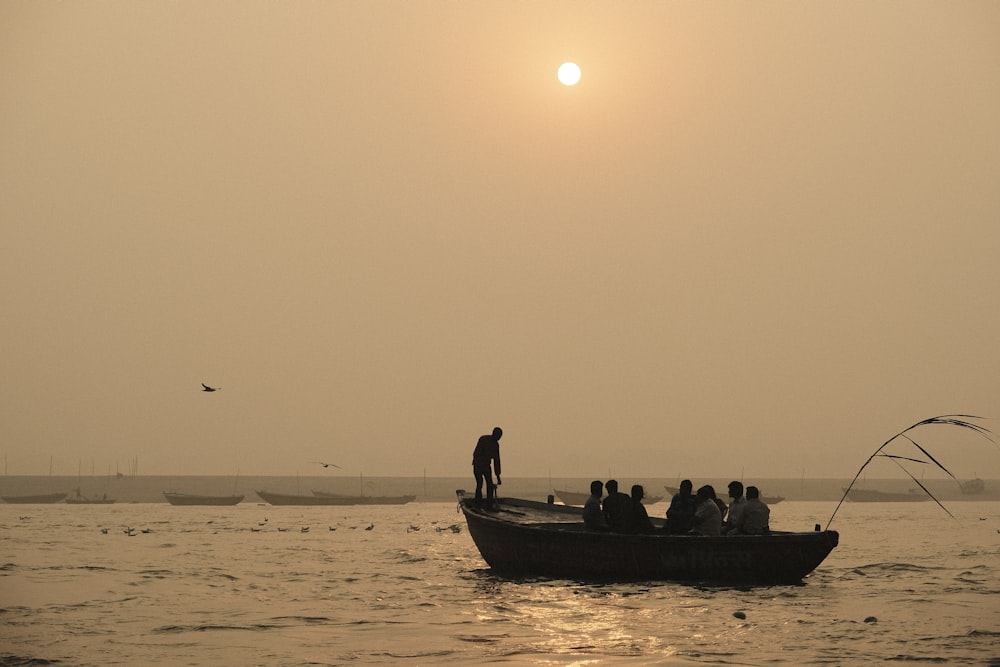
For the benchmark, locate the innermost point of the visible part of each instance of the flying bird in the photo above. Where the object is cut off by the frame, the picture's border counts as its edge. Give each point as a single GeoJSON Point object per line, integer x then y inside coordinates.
{"type": "Point", "coordinates": [326, 465]}
{"type": "Point", "coordinates": [207, 388]}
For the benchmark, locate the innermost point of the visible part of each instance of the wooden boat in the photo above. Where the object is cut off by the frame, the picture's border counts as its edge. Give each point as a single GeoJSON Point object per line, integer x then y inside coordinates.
{"type": "Point", "coordinates": [80, 499]}
{"type": "Point", "coordinates": [973, 487]}
{"type": "Point", "coordinates": [528, 538]}
{"type": "Point", "coordinates": [323, 498]}
{"type": "Point", "coordinates": [178, 498]}
{"type": "Point", "coordinates": [767, 500]}
{"type": "Point", "coordinates": [871, 496]}
{"type": "Point", "coordinates": [41, 499]}
{"type": "Point", "coordinates": [577, 498]}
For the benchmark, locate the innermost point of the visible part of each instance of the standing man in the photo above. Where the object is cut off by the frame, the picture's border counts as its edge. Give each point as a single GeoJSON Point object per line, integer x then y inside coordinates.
{"type": "Point", "coordinates": [487, 451]}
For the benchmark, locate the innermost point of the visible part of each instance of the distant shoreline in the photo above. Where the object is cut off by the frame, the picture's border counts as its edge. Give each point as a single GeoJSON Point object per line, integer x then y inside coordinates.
{"type": "Point", "coordinates": [150, 488]}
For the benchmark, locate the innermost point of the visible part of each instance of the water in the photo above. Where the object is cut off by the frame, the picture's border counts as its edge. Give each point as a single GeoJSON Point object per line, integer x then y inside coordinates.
{"type": "Point", "coordinates": [225, 586]}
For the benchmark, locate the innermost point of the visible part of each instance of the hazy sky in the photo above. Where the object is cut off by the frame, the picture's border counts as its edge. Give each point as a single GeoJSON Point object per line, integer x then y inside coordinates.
{"type": "Point", "coordinates": [756, 238]}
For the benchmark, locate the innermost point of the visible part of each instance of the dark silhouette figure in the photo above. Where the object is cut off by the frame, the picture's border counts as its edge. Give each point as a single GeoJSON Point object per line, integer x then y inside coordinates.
{"type": "Point", "coordinates": [593, 515]}
{"type": "Point", "coordinates": [207, 388]}
{"type": "Point", "coordinates": [680, 514]}
{"type": "Point", "coordinates": [487, 451]}
{"type": "Point", "coordinates": [736, 507]}
{"type": "Point", "coordinates": [640, 522]}
{"type": "Point", "coordinates": [707, 516]}
{"type": "Point", "coordinates": [617, 508]}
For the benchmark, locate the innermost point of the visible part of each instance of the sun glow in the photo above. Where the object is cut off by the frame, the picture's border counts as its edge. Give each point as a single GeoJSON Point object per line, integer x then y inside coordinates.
{"type": "Point", "coordinates": [569, 74]}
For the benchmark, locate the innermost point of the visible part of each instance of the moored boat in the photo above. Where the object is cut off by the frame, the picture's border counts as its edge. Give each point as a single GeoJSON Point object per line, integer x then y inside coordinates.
{"type": "Point", "coordinates": [973, 487]}
{"type": "Point", "coordinates": [79, 499]}
{"type": "Point", "coordinates": [529, 538]}
{"type": "Point", "coordinates": [872, 496]}
{"type": "Point", "coordinates": [767, 500]}
{"type": "Point", "coordinates": [323, 498]}
{"type": "Point", "coordinates": [40, 499]}
{"type": "Point", "coordinates": [178, 498]}
{"type": "Point", "coordinates": [577, 498]}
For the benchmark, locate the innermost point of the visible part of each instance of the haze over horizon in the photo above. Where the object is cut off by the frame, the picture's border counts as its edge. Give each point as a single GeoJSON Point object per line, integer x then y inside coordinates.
{"type": "Point", "coordinates": [754, 239]}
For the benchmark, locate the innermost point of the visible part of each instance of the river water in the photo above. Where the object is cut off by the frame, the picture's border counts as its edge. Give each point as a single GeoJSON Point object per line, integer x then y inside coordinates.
{"type": "Point", "coordinates": [245, 585]}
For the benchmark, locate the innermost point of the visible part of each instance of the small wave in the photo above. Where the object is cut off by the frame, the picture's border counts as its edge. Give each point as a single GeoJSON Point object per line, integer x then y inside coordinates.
{"type": "Point", "coordinates": [19, 661]}
{"type": "Point", "coordinates": [208, 627]}
{"type": "Point", "coordinates": [304, 619]}
{"type": "Point", "coordinates": [877, 569]}
{"type": "Point", "coordinates": [7, 567]}
{"type": "Point", "coordinates": [157, 574]}
{"type": "Point", "coordinates": [482, 639]}
{"type": "Point", "coordinates": [984, 633]}
{"type": "Point", "coordinates": [429, 654]}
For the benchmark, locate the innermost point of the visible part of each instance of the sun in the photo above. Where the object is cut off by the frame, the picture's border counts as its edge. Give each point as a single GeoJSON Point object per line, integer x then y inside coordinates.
{"type": "Point", "coordinates": [569, 74]}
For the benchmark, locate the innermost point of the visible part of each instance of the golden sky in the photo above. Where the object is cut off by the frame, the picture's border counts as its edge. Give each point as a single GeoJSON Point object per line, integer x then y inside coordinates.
{"type": "Point", "coordinates": [757, 237]}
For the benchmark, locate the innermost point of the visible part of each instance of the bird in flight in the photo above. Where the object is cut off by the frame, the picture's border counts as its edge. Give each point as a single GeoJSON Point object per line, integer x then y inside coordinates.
{"type": "Point", "coordinates": [207, 388]}
{"type": "Point", "coordinates": [327, 465]}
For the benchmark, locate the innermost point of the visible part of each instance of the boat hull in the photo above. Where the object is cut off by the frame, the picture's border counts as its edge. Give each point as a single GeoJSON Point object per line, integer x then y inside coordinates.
{"type": "Point", "coordinates": [322, 499]}
{"type": "Point", "coordinates": [188, 499]}
{"type": "Point", "coordinates": [526, 538]}
{"type": "Point", "coordinates": [870, 496]}
{"type": "Point", "coordinates": [42, 499]}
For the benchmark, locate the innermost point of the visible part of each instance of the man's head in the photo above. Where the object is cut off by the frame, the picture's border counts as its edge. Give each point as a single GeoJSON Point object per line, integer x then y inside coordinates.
{"type": "Point", "coordinates": [753, 492]}
{"type": "Point", "coordinates": [686, 487]}
{"type": "Point", "coordinates": [612, 486]}
{"type": "Point", "coordinates": [497, 432]}
{"type": "Point", "coordinates": [638, 493]}
{"type": "Point", "coordinates": [596, 488]}
{"type": "Point", "coordinates": [735, 489]}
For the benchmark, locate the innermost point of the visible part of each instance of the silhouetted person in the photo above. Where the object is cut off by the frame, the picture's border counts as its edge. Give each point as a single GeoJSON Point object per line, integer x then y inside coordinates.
{"type": "Point", "coordinates": [680, 514]}
{"type": "Point", "coordinates": [723, 508]}
{"type": "Point", "coordinates": [707, 517]}
{"type": "Point", "coordinates": [593, 515]}
{"type": "Point", "coordinates": [487, 451]}
{"type": "Point", "coordinates": [736, 507]}
{"type": "Point", "coordinates": [617, 508]}
{"type": "Point", "coordinates": [640, 522]}
{"type": "Point", "coordinates": [756, 518]}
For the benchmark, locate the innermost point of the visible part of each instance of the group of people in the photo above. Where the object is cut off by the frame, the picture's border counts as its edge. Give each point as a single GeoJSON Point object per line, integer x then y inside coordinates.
{"type": "Point", "coordinates": [700, 513]}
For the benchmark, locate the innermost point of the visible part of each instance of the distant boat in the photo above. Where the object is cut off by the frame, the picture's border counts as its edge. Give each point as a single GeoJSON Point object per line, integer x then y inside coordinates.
{"type": "Point", "coordinates": [768, 500]}
{"type": "Point", "coordinates": [871, 496]}
{"type": "Point", "coordinates": [323, 498]}
{"type": "Point", "coordinates": [973, 487]}
{"type": "Point", "coordinates": [528, 538]}
{"type": "Point", "coordinates": [178, 498]}
{"type": "Point", "coordinates": [80, 499]}
{"type": "Point", "coordinates": [577, 498]}
{"type": "Point", "coordinates": [42, 499]}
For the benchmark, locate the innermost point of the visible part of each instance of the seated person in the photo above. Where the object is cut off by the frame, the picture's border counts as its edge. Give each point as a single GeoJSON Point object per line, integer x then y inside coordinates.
{"type": "Point", "coordinates": [756, 518]}
{"type": "Point", "coordinates": [723, 508]}
{"type": "Point", "coordinates": [680, 514]}
{"type": "Point", "coordinates": [617, 508]}
{"type": "Point", "coordinates": [640, 522]}
{"type": "Point", "coordinates": [593, 516]}
{"type": "Point", "coordinates": [736, 507]}
{"type": "Point", "coordinates": [707, 517]}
